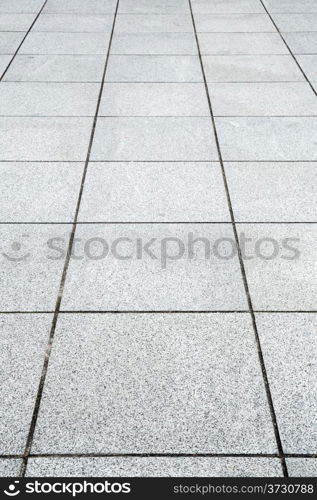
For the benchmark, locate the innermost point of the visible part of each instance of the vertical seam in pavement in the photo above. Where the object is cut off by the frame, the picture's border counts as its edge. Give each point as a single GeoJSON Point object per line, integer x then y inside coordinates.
{"type": "Point", "coordinates": [48, 350]}
{"type": "Point", "coordinates": [243, 272]}
{"type": "Point", "coordinates": [23, 40]}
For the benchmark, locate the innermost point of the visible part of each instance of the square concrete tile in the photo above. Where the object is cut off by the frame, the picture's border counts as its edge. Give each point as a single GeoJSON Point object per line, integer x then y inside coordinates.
{"type": "Point", "coordinates": [233, 23]}
{"type": "Point", "coordinates": [161, 384]}
{"type": "Point", "coordinates": [302, 467]}
{"type": "Point", "coordinates": [48, 98]}
{"type": "Point", "coordinates": [230, 44]}
{"type": "Point", "coordinates": [154, 467]}
{"type": "Point", "coordinates": [9, 42]}
{"type": "Point", "coordinates": [268, 139]}
{"type": "Point", "coordinates": [81, 23]}
{"type": "Point", "coordinates": [153, 6]}
{"type": "Point", "coordinates": [66, 43]}
{"type": "Point", "coordinates": [263, 99]}
{"type": "Point", "coordinates": [24, 339]}
{"type": "Point", "coordinates": [154, 69]}
{"type": "Point", "coordinates": [30, 270]}
{"type": "Point", "coordinates": [154, 99]}
{"type": "Point", "coordinates": [154, 43]}
{"type": "Point", "coordinates": [131, 278]}
{"type": "Point", "coordinates": [15, 22]}
{"type": "Point", "coordinates": [309, 65]}
{"type": "Point", "coordinates": [54, 186]}
{"type": "Point", "coordinates": [44, 139]}
{"type": "Point", "coordinates": [154, 139]}
{"type": "Point", "coordinates": [154, 192]}
{"type": "Point", "coordinates": [289, 344]}
{"type": "Point", "coordinates": [151, 23]}
{"type": "Point", "coordinates": [291, 6]}
{"type": "Point", "coordinates": [81, 6]}
{"type": "Point", "coordinates": [302, 43]}
{"type": "Point", "coordinates": [227, 6]}
{"type": "Point", "coordinates": [17, 6]}
{"type": "Point", "coordinates": [273, 192]}
{"type": "Point", "coordinates": [45, 68]}
{"type": "Point", "coordinates": [296, 22]}
{"type": "Point", "coordinates": [10, 467]}
{"type": "Point", "coordinates": [251, 68]}
{"type": "Point", "coordinates": [4, 61]}
{"type": "Point", "coordinates": [281, 266]}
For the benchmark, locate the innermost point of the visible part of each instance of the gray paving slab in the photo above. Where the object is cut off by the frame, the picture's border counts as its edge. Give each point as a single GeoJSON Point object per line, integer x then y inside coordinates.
{"type": "Point", "coordinates": [154, 139]}
{"type": "Point", "coordinates": [302, 467]}
{"type": "Point", "coordinates": [273, 192]}
{"type": "Point", "coordinates": [18, 7]}
{"type": "Point", "coordinates": [54, 186]}
{"type": "Point", "coordinates": [9, 41]}
{"type": "Point", "coordinates": [15, 22]}
{"type": "Point", "coordinates": [229, 44]}
{"type": "Point", "coordinates": [154, 467]}
{"type": "Point", "coordinates": [10, 467]}
{"type": "Point", "coordinates": [44, 138]}
{"type": "Point", "coordinates": [71, 68]}
{"type": "Point", "coordinates": [4, 61]}
{"type": "Point", "coordinates": [227, 6]}
{"type": "Point", "coordinates": [151, 281]}
{"type": "Point", "coordinates": [153, 6]}
{"type": "Point", "coordinates": [48, 98]}
{"type": "Point", "coordinates": [302, 43]}
{"type": "Point", "coordinates": [154, 192]}
{"type": "Point", "coordinates": [135, 400]}
{"type": "Point", "coordinates": [81, 23]}
{"type": "Point", "coordinates": [309, 65]}
{"type": "Point", "coordinates": [289, 342]}
{"type": "Point", "coordinates": [263, 99]}
{"type": "Point", "coordinates": [154, 43]}
{"type": "Point", "coordinates": [251, 68]}
{"type": "Point", "coordinates": [154, 99]}
{"type": "Point", "coordinates": [296, 22]}
{"type": "Point", "coordinates": [233, 23]}
{"type": "Point", "coordinates": [294, 6]}
{"type": "Point", "coordinates": [154, 69]}
{"type": "Point", "coordinates": [267, 138]}
{"type": "Point", "coordinates": [29, 279]}
{"type": "Point", "coordinates": [151, 23]}
{"type": "Point", "coordinates": [281, 275]}
{"type": "Point", "coordinates": [24, 339]}
{"type": "Point", "coordinates": [81, 6]}
{"type": "Point", "coordinates": [65, 43]}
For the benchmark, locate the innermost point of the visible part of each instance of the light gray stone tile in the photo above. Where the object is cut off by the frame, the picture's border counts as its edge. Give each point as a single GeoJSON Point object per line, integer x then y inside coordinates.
{"type": "Point", "coordinates": [291, 6]}
{"type": "Point", "coordinates": [152, 282]}
{"type": "Point", "coordinates": [227, 44]}
{"type": "Point", "coordinates": [10, 467]}
{"type": "Point", "coordinates": [251, 68]}
{"type": "Point", "coordinates": [54, 187]}
{"type": "Point", "coordinates": [81, 23]}
{"type": "Point", "coordinates": [71, 68]}
{"type": "Point", "coordinates": [296, 22]}
{"type": "Point", "coordinates": [154, 467]}
{"type": "Point", "coordinates": [19, 7]}
{"type": "Point", "coordinates": [309, 65]}
{"type": "Point", "coordinates": [154, 99]}
{"type": "Point", "coordinates": [302, 43]}
{"type": "Point", "coordinates": [282, 273]}
{"type": "Point", "coordinates": [66, 43]}
{"type": "Point", "coordinates": [44, 139]}
{"type": "Point", "coordinates": [263, 99]}
{"type": "Point", "coordinates": [80, 6]}
{"type": "Point", "coordinates": [24, 339]}
{"type": "Point", "coordinates": [29, 278]}
{"type": "Point", "coordinates": [136, 398]}
{"type": "Point", "coordinates": [9, 42]}
{"type": "Point", "coordinates": [154, 69]}
{"type": "Point", "coordinates": [268, 138]}
{"type": "Point", "coordinates": [151, 23]}
{"type": "Point", "coordinates": [154, 139]}
{"type": "Point", "coordinates": [154, 43]}
{"type": "Point", "coordinates": [15, 22]}
{"type": "Point", "coordinates": [233, 23]}
{"type": "Point", "coordinates": [289, 344]}
{"type": "Point", "coordinates": [273, 192]}
{"type": "Point", "coordinates": [4, 61]}
{"type": "Point", "coordinates": [48, 98]}
{"type": "Point", "coordinates": [302, 467]}
{"type": "Point", "coordinates": [153, 6]}
{"type": "Point", "coordinates": [227, 6]}
{"type": "Point", "coordinates": [154, 192]}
